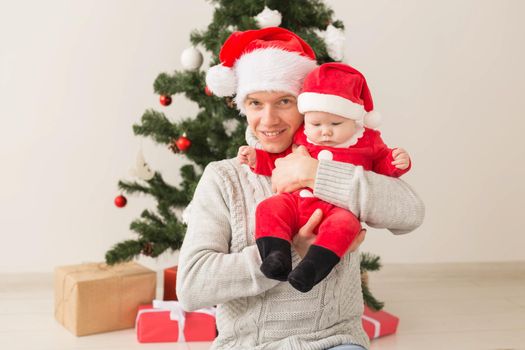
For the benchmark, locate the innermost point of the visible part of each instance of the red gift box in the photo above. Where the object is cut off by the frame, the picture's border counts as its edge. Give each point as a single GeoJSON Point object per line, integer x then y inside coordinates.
{"type": "Point", "coordinates": [170, 279]}
{"type": "Point", "coordinates": [379, 323]}
{"type": "Point", "coordinates": [164, 321]}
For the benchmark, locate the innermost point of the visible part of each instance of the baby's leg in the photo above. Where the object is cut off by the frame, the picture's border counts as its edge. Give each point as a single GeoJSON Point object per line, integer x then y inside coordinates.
{"type": "Point", "coordinates": [338, 230]}
{"type": "Point", "coordinates": [335, 234]}
{"type": "Point", "coordinates": [275, 224]}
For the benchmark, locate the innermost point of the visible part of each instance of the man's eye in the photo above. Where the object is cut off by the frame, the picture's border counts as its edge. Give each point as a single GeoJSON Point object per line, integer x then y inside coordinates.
{"type": "Point", "coordinates": [285, 101]}
{"type": "Point", "coordinates": [254, 103]}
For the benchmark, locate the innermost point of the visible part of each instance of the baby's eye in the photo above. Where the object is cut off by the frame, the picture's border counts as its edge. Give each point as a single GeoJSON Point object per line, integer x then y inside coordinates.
{"type": "Point", "coordinates": [338, 123]}
{"type": "Point", "coordinates": [316, 124]}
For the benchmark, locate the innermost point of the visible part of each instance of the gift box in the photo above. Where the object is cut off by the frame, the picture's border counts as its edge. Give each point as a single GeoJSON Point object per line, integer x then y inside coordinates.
{"type": "Point", "coordinates": [170, 282]}
{"type": "Point", "coordinates": [166, 321]}
{"type": "Point", "coordinates": [95, 298]}
{"type": "Point", "coordinates": [378, 323]}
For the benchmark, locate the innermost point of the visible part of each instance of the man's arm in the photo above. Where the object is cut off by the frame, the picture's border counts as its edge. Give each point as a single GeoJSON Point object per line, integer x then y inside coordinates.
{"type": "Point", "coordinates": [208, 273]}
{"type": "Point", "coordinates": [380, 201]}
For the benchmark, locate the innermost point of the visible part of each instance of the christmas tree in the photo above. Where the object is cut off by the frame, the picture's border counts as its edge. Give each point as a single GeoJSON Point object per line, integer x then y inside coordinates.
{"type": "Point", "coordinates": [218, 129]}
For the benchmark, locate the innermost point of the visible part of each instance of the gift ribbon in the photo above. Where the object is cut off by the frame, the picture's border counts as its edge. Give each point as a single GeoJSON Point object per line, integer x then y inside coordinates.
{"type": "Point", "coordinates": [376, 323]}
{"type": "Point", "coordinates": [176, 313]}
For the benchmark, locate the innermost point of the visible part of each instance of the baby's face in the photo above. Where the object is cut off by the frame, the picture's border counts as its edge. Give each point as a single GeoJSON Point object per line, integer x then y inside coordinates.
{"type": "Point", "coordinates": [328, 129]}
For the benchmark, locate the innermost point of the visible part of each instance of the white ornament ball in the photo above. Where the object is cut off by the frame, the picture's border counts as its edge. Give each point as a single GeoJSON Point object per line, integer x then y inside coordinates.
{"type": "Point", "coordinates": [268, 18]}
{"type": "Point", "coordinates": [191, 58]}
{"type": "Point", "coordinates": [334, 39]}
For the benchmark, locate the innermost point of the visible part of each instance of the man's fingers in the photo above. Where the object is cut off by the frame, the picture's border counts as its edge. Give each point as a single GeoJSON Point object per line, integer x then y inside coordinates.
{"type": "Point", "coordinates": [358, 240]}
{"type": "Point", "coordinates": [313, 221]}
{"type": "Point", "coordinates": [360, 237]}
{"type": "Point", "coordinates": [301, 150]}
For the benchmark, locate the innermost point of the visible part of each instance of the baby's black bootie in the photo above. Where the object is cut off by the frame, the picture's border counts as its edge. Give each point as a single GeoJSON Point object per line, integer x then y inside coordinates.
{"type": "Point", "coordinates": [315, 266]}
{"type": "Point", "coordinates": [276, 257]}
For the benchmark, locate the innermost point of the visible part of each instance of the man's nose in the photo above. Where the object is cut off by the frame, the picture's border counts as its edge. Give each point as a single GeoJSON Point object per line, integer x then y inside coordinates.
{"type": "Point", "coordinates": [269, 116]}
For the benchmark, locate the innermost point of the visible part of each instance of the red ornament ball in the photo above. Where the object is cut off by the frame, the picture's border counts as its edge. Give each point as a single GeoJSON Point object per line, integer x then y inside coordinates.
{"type": "Point", "coordinates": [183, 143]}
{"type": "Point", "coordinates": [207, 91]}
{"type": "Point", "coordinates": [120, 201]}
{"type": "Point", "coordinates": [165, 100]}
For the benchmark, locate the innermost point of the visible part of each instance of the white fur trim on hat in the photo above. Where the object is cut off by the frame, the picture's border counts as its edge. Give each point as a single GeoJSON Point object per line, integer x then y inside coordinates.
{"type": "Point", "coordinates": [221, 80]}
{"type": "Point", "coordinates": [317, 102]}
{"type": "Point", "coordinates": [270, 69]}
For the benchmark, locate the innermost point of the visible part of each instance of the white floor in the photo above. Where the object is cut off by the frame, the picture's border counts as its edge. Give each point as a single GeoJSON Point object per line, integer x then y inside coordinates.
{"type": "Point", "coordinates": [445, 306]}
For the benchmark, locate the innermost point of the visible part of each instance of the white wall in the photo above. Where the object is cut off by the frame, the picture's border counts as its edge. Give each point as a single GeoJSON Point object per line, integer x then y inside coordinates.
{"type": "Point", "coordinates": [74, 77]}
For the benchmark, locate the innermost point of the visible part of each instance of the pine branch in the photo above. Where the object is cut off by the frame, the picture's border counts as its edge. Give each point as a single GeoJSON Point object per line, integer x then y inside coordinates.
{"type": "Point", "coordinates": [152, 217]}
{"type": "Point", "coordinates": [370, 300]}
{"type": "Point", "coordinates": [370, 262]}
{"type": "Point", "coordinates": [155, 125]}
{"type": "Point", "coordinates": [189, 82]}
{"type": "Point", "coordinates": [124, 251]}
{"type": "Point", "coordinates": [132, 187]}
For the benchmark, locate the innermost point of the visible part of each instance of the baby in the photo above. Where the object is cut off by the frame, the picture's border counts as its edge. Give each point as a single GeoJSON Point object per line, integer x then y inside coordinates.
{"type": "Point", "coordinates": [334, 100]}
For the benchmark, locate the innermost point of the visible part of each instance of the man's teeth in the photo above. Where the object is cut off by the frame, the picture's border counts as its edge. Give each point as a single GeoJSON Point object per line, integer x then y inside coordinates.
{"type": "Point", "coordinates": [273, 133]}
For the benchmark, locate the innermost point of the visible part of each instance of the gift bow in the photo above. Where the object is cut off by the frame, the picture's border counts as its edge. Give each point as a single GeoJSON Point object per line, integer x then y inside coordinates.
{"type": "Point", "coordinates": [176, 313]}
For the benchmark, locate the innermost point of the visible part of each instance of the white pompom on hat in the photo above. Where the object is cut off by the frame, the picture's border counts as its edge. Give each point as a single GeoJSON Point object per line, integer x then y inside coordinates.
{"type": "Point", "coordinates": [339, 89]}
{"type": "Point", "coordinates": [269, 59]}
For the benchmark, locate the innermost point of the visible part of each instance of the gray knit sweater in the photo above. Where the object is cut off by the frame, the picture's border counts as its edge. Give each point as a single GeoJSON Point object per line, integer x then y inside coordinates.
{"type": "Point", "coordinates": [219, 262]}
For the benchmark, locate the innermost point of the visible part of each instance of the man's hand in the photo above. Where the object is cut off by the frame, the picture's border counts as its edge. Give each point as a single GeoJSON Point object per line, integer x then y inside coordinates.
{"type": "Point", "coordinates": [295, 171]}
{"type": "Point", "coordinates": [401, 158]}
{"type": "Point", "coordinates": [306, 236]}
{"type": "Point", "coordinates": [247, 155]}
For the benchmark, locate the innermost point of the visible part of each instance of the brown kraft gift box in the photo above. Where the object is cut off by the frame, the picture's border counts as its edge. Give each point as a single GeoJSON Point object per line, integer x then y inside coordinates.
{"type": "Point", "coordinates": [95, 298]}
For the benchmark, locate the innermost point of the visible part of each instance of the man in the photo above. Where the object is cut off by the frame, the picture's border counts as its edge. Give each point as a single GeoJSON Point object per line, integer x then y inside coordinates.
{"type": "Point", "coordinates": [219, 261]}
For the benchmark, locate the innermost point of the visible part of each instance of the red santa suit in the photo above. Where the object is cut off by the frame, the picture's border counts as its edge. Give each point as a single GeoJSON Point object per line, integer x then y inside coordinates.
{"type": "Point", "coordinates": [282, 215]}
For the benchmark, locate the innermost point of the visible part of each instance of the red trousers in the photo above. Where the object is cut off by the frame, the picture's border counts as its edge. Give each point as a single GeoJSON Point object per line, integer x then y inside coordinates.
{"type": "Point", "coordinates": [282, 216]}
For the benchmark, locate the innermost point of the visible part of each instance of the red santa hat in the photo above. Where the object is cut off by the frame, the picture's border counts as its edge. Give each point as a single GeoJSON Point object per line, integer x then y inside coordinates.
{"type": "Point", "coordinates": [269, 59]}
{"type": "Point", "coordinates": [339, 89]}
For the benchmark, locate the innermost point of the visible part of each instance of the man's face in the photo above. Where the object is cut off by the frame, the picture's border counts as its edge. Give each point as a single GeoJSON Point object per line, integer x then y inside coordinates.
{"type": "Point", "coordinates": [328, 129]}
{"type": "Point", "coordinates": [273, 118]}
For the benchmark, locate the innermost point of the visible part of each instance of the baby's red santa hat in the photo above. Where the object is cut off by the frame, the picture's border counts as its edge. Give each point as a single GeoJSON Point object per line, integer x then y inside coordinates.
{"type": "Point", "coordinates": [339, 89]}
{"type": "Point", "coordinates": [269, 59]}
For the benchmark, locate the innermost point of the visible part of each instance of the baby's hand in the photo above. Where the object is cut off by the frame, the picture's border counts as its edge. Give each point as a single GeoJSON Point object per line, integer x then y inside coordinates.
{"type": "Point", "coordinates": [401, 158]}
{"type": "Point", "coordinates": [247, 155]}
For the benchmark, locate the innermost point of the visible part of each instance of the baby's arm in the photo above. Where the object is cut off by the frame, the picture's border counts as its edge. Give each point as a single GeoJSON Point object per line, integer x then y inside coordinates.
{"type": "Point", "coordinates": [247, 155]}
{"type": "Point", "coordinates": [261, 162]}
{"type": "Point", "coordinates": [401, 159]}
{"type": "Point", "coordinates": [391, 162]}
